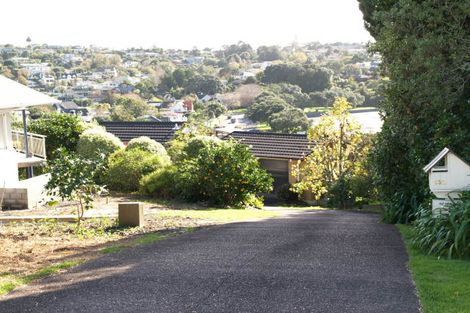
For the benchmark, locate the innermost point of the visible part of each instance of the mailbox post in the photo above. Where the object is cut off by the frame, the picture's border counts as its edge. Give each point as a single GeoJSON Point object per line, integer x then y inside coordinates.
{"type": "Point", "coordinates": [449, 175]}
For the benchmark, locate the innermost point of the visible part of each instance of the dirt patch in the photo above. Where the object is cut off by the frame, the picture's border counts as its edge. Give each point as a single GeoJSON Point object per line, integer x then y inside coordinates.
{"type": "Point", "coordinates": [28, 247]}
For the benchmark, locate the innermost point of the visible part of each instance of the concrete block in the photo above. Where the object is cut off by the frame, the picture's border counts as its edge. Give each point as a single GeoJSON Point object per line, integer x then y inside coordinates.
{"type": "Point", "coordinates": [131, 214]}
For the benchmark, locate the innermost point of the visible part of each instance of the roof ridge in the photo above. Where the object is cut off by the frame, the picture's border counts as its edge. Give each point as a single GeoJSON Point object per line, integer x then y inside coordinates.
{"type": "Point", "coordinates": [268, 133]}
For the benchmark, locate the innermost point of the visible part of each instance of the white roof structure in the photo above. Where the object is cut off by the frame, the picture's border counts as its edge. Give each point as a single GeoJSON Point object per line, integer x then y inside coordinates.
{"type": "Point", "coordinates": [434, 161]}
{"type": "Point", "coordinates": [15, 96]}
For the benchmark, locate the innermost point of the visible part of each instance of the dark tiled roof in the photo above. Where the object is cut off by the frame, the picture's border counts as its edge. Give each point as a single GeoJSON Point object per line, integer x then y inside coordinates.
{"type": "Point", "coordinates": [70, 105]}
{"type": "Point", "coordinates": [158, 131]}
{"type": "Point", "coordinates": [274, 145]}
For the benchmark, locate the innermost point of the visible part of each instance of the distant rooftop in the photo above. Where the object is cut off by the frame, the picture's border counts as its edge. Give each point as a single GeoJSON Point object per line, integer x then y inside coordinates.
{"type": "Point", "coordinates": [275, 145]}
{"type": "Point", "coordinates": [158, 131]}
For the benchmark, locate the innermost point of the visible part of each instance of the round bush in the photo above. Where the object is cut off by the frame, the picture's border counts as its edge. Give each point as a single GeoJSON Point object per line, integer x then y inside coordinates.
{"type": "Point", "coordinates": [127, 167]}
{"type": "Point", "coordinates": [159, 183]}
{"type": "Point", "coordinates": [146, 144]}
{"type": "Point", "coordinates": [95, 141]}
{"type": "Point", "coordinates": [194, 145]}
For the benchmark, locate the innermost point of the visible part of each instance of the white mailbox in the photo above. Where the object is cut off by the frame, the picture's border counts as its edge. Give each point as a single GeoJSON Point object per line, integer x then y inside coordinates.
{"type": "Point", "coordinates": [448, 176]}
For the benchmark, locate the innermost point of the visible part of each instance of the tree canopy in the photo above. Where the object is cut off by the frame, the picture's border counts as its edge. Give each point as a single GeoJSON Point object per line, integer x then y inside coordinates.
{"type": "Point", "coordinates": [310, 79]}
{"type": "Point", "coordinates": [424, 47]}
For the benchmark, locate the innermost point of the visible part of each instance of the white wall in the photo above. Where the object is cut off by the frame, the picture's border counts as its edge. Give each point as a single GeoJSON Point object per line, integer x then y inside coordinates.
{"type": "Point", "coordinates": [457, 177]}
{"type": "Point", "coordinates": [5, 131]}
{"type": "Point", "coordinates": [8, 156]}
{"type": "Point", "coordinates": [8, 168]}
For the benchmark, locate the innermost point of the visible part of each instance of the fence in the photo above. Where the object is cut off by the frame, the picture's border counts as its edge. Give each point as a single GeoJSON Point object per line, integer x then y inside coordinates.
{"type": "Point", "coordinates": [36, 143]}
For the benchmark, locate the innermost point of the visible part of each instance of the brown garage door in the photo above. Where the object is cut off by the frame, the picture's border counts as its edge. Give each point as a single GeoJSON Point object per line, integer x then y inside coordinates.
{"type": "Point", "coordinates": [279, 169]}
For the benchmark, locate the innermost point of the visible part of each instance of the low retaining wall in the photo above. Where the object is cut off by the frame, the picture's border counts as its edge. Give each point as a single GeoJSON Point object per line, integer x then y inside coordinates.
{"type": "Point", "coordinates": [14, 198]}
{"type": "Point", "coordinates": [26, 194]}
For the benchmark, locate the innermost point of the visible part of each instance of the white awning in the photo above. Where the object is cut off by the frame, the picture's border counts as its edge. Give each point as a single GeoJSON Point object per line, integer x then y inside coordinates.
{"type": "Point", "coordinates": [15, 96]}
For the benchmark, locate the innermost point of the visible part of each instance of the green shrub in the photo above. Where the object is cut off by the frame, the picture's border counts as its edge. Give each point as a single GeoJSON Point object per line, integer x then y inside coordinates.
{"type": "Point", "coordinates": [127, 167]}
{"type": "Point", "coordinates": [223, 174]}
{"type": "Point", "coordinates": [194, 145]}
{"type": "Point", "coordinates": [159, 183]}
{"type": "Point", "coordinates": [146, 144]}
{"type": "Point", "coordinates": [97, 141]}
{"type": "Point", "coordinates": [184, 148]}
{"type": "Point", "coordinates": [62, 131]}
{"type": "Point", "coordinates": [445, 234]}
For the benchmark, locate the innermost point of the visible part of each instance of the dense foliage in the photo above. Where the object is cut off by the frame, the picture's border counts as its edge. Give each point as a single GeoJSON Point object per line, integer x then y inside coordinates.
{"type": "Point", "coordinates": [424, 47]}
{"type": "Point", "coordinates": [185, 81]}
{"type": "Point", "coordinates": [445, 234]}
{"type": "Point", "coordinates": [96, 141]}
{"type": "Point", "coordinates": [62, 131]}
{"type": "Point", "coordinates": [290, 120]}
{"type": "Point", "coordinates": [146, 144]}
{"type": "Point", "coordinates": [310, 79]}
{"type": "Point", "coordinates": [265, 105]}
{"type": "Point", "coordinates": [128, 107]}
{"type": "Point", "coordinates": [127, 167]}
{"type": "Point", "coordinates": [160, 183]}
{"type": "Point", "coordinates": [224, 174]}
{"type": "Point", "coordinates": [272, 108]}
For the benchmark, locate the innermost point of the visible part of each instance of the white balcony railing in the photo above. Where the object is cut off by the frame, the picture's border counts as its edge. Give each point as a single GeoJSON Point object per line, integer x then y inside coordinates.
{"type": "Point", "coordinates": [36, 144]}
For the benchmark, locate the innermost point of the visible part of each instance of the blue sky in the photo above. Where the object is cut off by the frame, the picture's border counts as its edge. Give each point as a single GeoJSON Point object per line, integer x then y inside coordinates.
{"type": "Point", "coordinates": [180, 23]}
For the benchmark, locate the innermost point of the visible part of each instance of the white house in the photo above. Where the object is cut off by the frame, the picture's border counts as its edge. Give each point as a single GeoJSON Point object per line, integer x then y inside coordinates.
{"type": "Point", "coordinates": [19, 149]}
{"type": "Point", "coordinates": [449, 175]}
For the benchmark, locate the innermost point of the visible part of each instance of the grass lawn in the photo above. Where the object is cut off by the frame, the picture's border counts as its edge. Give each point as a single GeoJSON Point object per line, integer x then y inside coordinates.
{"type": "Point", "coordinates": [220, 215]}
{"type": "Point", "coordinates": [263, 127]}
{"type": "Point", "coordinates": [316, 109]}
{"type": "Point", "coordinates": [236, 111]}
{"type": "Point", "coordinates": [324, 109]}
{"type": "Point", "coordinates": [443, 285]}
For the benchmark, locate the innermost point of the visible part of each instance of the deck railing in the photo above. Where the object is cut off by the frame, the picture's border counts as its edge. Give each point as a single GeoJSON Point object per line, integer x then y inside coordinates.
{"type": "Point", "coordinates": [36, 144]}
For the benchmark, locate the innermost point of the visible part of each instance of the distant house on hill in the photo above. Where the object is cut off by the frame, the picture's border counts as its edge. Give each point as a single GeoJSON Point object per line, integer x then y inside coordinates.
{"type": "Point", "coordinates": [277, 153]}
{"type": "Point", "coordinates": [158, 131]}
{"type": "Point", "coordinates": [70, 107]}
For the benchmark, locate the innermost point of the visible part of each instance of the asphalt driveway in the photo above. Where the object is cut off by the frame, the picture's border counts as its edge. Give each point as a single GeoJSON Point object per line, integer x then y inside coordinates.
{"type": "Point", "coordinates": [320, 261]}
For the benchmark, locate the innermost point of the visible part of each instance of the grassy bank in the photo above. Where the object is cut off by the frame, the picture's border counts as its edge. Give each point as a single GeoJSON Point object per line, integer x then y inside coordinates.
{"type": "Point", "coordinates": [443, 285]}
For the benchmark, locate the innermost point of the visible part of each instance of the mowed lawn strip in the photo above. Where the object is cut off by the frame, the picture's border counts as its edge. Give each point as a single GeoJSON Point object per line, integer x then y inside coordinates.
{"type": "Point", "coordinates": [221, 215]}
{"type": "Point", "coordinates": [443, 285]}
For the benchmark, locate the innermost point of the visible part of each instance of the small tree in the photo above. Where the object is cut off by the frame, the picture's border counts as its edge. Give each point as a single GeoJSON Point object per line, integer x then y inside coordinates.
{"type": "Point", "coordinates": [73, 179]}
{"type": "Point", "coordinates": [338, 153]}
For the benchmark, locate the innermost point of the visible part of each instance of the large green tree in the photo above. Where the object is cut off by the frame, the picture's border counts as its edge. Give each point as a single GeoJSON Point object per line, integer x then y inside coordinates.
{"type": "Point", "coordinates": [424, 47]}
